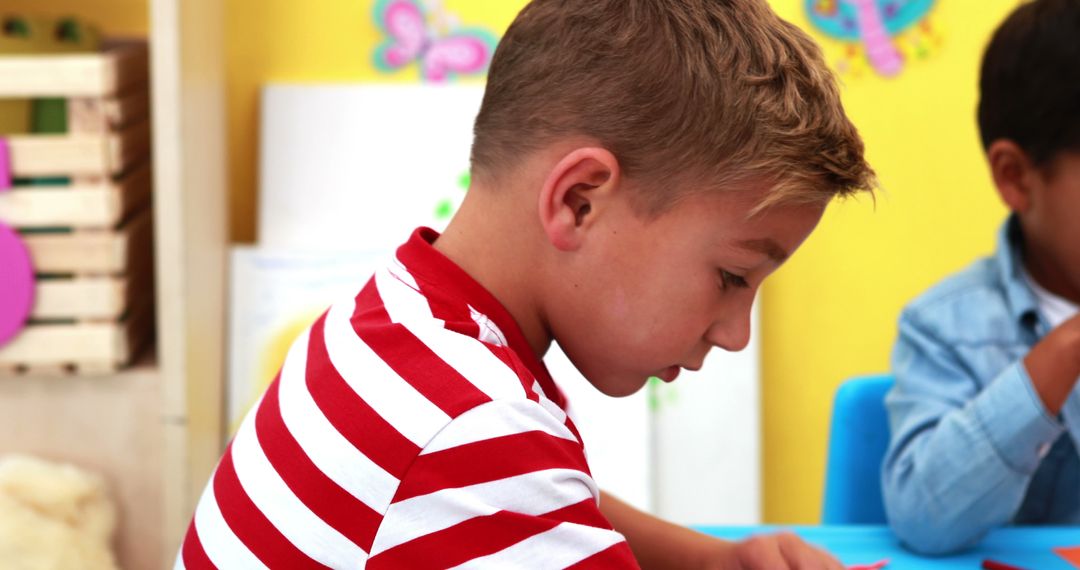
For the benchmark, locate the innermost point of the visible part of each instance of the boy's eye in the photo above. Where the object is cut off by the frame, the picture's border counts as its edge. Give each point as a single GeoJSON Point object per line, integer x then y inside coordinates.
{"type": "Point", "coordinates": [728, 279]}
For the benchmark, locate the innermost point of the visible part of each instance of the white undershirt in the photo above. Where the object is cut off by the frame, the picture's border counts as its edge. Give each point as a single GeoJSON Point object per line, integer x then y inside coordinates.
{"type": "Point", "coordinates": [1054, 309]}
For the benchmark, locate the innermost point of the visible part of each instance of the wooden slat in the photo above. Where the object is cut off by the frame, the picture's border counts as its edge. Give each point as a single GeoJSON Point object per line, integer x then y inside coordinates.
{"type": "Point", "coordinates": [120, 65]}
{"type": "Point", "coordinates": [80, 298]}
{"type": "Point", "coordinates": [98, 347]}
{"type": "Point", "coordinates": [89, 206]}
{"type": "Point", "coordinates": [35, 156]}
{"type": "Point", "coordinates": [58, 155]}
{"type": "Point", "coordinates": [92, 252]}
{"type": "Point", "coordinates": [190, 190]}
{"type": "Point", "coordinates": [61, 344]}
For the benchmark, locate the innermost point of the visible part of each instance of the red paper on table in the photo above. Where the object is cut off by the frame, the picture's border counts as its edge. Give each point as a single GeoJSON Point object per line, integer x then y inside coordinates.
{"type": "Point", "coordinates": [1071, 555]}
{"type": "Point", "coordinates": [875, 566]}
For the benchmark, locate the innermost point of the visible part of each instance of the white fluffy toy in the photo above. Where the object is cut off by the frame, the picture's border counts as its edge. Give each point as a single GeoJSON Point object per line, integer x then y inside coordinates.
{"type": "Point", "coordinates": [53, 517]}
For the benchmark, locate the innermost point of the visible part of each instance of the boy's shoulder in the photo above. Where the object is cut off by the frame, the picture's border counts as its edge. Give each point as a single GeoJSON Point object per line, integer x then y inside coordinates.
{"type": "Point", "coordinates": [424, 359]}
{"type": "Point", "coordinates": [969, 306]}
{"type": "Point", "coordinates": [978, 282]}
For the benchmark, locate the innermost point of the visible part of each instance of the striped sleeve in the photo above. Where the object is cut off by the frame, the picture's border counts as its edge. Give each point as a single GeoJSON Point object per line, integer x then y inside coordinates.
{"type": "Point", "coordinates": [502, 485]}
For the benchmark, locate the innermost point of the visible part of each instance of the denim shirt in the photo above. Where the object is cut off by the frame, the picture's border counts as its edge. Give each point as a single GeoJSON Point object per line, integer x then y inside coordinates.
{"type": "Point", "coordinates": [973, 447]}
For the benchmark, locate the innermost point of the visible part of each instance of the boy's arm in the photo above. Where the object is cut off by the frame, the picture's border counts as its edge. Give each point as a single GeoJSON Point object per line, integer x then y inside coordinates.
{"type": "Point", "coordinates": [659, 544]}
{"type": "Point", "coordinates": [502, 485]}
{"type": "Point", "coordinates": [960, 460]}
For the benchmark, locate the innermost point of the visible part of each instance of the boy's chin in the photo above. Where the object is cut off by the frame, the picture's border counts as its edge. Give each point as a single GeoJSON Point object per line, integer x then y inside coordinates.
{"type": "Point", "coordinates": [619, 386]}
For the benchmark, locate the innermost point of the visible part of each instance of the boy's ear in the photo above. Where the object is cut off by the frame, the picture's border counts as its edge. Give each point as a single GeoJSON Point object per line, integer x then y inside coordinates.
{"type": "Point", "coordinates": [574, 193]}
{"type": "Point", "coordinates": [1014, 173]}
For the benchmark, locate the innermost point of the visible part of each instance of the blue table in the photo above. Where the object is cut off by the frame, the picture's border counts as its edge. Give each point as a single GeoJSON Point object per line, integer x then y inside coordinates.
{"type": "Point", "coordinates": [1030, 548]}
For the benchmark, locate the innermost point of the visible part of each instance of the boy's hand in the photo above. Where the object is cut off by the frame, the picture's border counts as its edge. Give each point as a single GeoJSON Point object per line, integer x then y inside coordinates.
{"type": "Point", "coordinates": [1054, 364]}
{"type": "Point", "coordinates": [783, 551]}
{"type": "Point", "coordinates": [658, 544]}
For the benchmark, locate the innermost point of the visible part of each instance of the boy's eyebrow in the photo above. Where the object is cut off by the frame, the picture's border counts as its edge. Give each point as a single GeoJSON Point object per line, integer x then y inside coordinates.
{"type": "Point", "coordinates": [766, 246]}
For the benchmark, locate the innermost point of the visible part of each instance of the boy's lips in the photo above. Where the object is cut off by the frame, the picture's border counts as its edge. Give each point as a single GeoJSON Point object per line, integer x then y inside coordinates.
{"type": "Point", "coordinates": [670, 374]}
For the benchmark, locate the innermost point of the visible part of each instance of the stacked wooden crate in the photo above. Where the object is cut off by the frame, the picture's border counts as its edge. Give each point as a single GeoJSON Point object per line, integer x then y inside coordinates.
{"type": "Point", "coordinates": [81, 203]}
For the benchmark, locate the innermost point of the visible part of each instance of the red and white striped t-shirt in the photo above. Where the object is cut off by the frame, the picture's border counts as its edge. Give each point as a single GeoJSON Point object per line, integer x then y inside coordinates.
{"type": "Point", "coordinates": [410, 427]}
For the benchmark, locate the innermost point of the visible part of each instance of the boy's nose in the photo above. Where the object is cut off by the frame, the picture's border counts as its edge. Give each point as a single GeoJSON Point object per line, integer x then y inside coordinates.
{"type": "Point", "coordinates": [732, 333]}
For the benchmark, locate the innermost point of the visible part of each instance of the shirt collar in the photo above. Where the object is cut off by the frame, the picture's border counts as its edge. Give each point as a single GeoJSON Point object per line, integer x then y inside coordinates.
{"type": "Point", "coordinates": [425, 262]}
{"type": "Point", "coordinates": [1009, 256]}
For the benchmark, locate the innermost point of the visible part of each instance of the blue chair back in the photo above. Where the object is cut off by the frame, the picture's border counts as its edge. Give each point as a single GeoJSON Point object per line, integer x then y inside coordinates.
{"type": "Point", "coordinates": [858, 439]}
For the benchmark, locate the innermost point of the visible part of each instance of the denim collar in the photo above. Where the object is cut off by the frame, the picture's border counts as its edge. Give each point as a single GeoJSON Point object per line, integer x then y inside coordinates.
{"type": "Point", "coordinates": [1009, 257]}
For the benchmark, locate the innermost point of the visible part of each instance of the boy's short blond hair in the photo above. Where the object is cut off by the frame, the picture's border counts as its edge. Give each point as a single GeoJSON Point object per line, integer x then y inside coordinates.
{"type": "Point", "coordinates": [701, 93]}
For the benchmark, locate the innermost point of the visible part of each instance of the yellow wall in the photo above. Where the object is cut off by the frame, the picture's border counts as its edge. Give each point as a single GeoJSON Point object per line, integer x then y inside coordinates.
{"type": "Point", "coordinates": [114, 17]}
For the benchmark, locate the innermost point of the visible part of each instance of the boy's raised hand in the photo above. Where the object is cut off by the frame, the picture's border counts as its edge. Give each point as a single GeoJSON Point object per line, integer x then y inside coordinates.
{"type": "Point", "coordinates": [1054, 364]}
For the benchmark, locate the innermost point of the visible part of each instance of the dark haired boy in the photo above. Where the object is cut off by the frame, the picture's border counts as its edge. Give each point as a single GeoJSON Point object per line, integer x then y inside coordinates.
{"type": "Point", "coordinates": [985, 414]}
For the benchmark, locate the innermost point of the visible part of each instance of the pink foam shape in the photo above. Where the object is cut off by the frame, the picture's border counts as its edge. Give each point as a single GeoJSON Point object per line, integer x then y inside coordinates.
{"type": "Point", "coordinates": [16, 284]}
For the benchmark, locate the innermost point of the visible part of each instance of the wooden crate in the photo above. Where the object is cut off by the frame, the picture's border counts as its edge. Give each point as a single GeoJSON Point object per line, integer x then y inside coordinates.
{"type": "Point", "coordinates": [108, 111]}
{"type": "Point", "coordinates": [96, 204]}
{"type": "Point", "coordinates": [81, 298]}
{"type": "Point", "coordinates": [94, 300]}
{"type": "Point", "coordinates": [91, 239]}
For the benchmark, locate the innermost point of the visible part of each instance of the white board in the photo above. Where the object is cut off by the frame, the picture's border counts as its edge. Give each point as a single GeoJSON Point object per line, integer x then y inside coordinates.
{"type": "Point", "coordinates": [706, 441]}
{"type": "Point", "coordinates": [274, 296]}
{"type": "Point", "coordinates": [348, 166]}
{"type": "Point", "coordinates": [616, 432]}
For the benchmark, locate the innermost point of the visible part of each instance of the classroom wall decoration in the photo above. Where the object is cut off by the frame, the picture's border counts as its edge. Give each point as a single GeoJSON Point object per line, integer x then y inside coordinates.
{"type": "Point", "coordinates": [424, 34]}
{"type": "Point", "coordinates": [445, 208]}
{"type": "Point", "coordinates": [882, 35]}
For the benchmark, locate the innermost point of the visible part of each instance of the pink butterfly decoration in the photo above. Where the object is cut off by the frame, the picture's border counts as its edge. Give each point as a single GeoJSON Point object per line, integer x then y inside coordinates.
{"type": "Point", "coordinates": [410, 39]}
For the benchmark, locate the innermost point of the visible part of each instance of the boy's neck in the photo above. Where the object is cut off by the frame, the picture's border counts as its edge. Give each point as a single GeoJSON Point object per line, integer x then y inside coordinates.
{"type": "Point", "coordinates": [1047, 271]}
{"type": "Point", "coordinates": [491, 240]}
